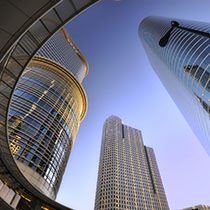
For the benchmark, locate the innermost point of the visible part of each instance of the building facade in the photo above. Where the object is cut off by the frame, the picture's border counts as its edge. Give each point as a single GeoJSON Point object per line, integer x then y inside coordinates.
{"type": "Point", "coordinates": [198, 207]}
{"type": "Point", "coordinates": [46, 109]}
{"type": "Point", "coordinates": [23, 33]}
{"type": "Point", "coordinates": [183, 66]}
{"type": "Point", "coordinates": [128, 176]}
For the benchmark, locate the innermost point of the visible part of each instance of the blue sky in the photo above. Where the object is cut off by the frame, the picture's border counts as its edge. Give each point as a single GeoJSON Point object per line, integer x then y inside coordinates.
{"type": "Point", "coordinates": [121, 82]}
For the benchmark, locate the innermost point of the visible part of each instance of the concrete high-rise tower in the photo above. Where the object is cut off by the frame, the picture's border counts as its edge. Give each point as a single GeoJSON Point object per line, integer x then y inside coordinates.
{"type": "Point", "coordinates": [128, 176]}
{"type": "Point", "coordinates": [178, 51]}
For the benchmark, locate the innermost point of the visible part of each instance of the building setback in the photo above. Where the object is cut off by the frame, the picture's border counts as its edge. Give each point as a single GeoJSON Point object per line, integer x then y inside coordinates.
{"type": "Point", "coordinates": [128, 176]}
{"type": "Point", "coordinates": [183, 65]}
{"type": "Point", "coordinates": [198, 207]}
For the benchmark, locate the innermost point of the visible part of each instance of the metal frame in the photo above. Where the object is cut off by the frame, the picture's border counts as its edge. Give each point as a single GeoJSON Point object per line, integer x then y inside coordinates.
{"type": "Point", "coordinates": [12, 66]}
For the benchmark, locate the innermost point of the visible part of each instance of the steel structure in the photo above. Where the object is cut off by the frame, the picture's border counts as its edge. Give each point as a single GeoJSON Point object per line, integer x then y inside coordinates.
{"type": "Point", "coordinates": [24, 28]}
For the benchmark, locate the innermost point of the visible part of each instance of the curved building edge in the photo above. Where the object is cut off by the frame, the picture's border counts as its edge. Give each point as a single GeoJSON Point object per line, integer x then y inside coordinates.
{"type": "Point", "coordinates": [76, 49]}
{"type": "Point", "coordinates": [183, 68]}
{"type": "Point", "coordinates": [13, 29]}
{"type": "Point", "coordinates": [8, 165]}
{"type": "Point", "coordinates": [55, 65]}
{"type": "Point", "coordinates": [34, 164]}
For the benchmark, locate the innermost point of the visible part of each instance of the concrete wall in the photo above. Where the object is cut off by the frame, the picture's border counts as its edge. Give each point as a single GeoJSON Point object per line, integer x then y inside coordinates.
{"type": "Point", "coordinates": [8, 195]}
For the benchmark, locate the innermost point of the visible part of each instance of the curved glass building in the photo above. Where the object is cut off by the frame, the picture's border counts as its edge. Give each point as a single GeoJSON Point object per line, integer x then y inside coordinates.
{"type": "Point", "coordinates": [23, 33]}
{"type": "Point", "coordinates": [183, 66]}
{"type": "Point", "coordinates": [46, 109]}
{"type": "Point", "coordinates": [62, 49]}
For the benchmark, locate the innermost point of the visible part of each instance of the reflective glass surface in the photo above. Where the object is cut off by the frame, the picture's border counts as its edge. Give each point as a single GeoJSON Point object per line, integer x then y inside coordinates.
{"type": "Point", "coordinates": [44, 117]}
{"type": "Point", "coordinates": [63, 50]}
{"type": "Point", "coordinates": [183, 67]}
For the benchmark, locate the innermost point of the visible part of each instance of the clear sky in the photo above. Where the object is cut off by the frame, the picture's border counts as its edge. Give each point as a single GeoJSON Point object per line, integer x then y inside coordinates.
{"type": "Point", "coordinates": [121, 82]}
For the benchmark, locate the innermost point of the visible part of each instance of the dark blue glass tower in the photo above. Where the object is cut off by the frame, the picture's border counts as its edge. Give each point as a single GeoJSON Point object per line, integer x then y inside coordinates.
{"type": "Point", "coordinates": [183, 66]}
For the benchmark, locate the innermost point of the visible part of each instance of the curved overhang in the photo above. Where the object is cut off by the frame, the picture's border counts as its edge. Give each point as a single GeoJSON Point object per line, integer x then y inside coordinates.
{"type": "Point", "coordinates": [22, 34]}
{"type": "Point", "coordinates": [57, 67]}
{"type": "Point", "coordinates": [17, 17]}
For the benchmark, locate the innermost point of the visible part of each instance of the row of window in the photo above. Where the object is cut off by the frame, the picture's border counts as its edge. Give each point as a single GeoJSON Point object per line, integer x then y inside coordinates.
{"type": "Point", "coordinates": [40, 130]}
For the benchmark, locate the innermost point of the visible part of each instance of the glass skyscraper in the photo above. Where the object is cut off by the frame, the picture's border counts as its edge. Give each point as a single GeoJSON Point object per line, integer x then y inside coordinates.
{"type": "Point", "coordinates": [26, 27]}
{"type": "Point", "coordinates": [128, 176]}
{"type": "Point", "coordinates": [46, 109]}
{"type": "Point", "coordinates": [183, 66]}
